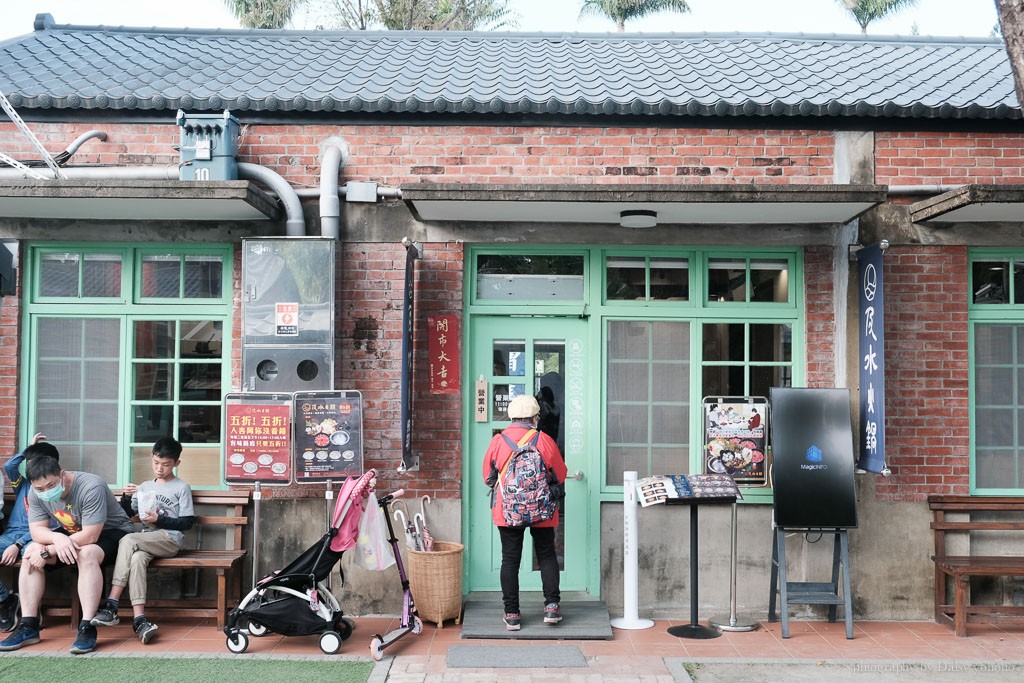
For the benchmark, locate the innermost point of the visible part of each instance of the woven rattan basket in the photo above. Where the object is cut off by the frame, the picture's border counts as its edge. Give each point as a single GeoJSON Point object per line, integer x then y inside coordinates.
{"type": "Point", "coordinates": [436, 582]}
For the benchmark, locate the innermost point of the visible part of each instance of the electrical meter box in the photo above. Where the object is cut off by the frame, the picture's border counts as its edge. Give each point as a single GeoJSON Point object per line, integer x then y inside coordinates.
{"type": "Point", "coordinates": [288, 314]}
{"type": "Point", "coordinates": [209, 146]}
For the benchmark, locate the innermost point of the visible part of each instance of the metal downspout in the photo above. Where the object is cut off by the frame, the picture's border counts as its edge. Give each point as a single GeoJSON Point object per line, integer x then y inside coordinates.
{"type": "Point", "coordinates": [295, 225]}
{"type": "Point", "coordinates": [330, 204]}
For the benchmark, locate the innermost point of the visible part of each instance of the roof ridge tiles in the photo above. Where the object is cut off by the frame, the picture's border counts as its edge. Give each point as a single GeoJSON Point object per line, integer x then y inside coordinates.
{"type": "Point", "coordinates": [705, 74]}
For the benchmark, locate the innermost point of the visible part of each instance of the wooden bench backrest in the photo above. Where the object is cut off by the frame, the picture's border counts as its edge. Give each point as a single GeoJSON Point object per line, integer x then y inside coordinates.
{"type": "Point", "coordinates": [940, 505]}
{"type": "Point", "coordinates": [233, 504]}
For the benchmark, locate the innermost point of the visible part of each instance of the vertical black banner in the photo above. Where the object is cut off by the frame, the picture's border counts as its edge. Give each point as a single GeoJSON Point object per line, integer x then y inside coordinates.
{"type": "Point", "coordinates": [871, 330]}
{"type": "Point", "coordinates": [412, 252]}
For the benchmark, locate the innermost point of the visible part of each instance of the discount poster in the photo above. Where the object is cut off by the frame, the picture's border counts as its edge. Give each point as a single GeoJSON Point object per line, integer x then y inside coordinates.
{"type": "Point", "coordinates": [257, 438]}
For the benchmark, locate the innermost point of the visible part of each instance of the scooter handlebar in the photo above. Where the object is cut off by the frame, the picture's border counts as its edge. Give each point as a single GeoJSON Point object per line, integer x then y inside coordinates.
{"type": "Point", "coordinates": [398, 494]}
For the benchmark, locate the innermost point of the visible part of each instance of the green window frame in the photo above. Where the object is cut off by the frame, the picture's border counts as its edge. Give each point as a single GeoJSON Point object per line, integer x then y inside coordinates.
{"type": "Point", "coordinates": [771, 308]}
{"type": "Point", "coordinates": [105, 380]}
{"type": "Point", "coordinates": [996, 382]}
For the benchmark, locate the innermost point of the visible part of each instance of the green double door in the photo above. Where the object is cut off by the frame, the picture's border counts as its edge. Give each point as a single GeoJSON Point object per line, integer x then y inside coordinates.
{"type": "Point", "coordinates": [538, 356]}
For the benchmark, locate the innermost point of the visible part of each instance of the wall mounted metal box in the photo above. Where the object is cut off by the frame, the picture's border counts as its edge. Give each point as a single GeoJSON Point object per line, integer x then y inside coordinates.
{"type": "Point", "coordinates": [208, 147]}
{"type": "Point", "coordinates": [288, 314]}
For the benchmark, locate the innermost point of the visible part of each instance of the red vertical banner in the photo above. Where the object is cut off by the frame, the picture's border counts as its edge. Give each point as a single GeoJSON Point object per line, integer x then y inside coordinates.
{"type": "Point", "coordinates": [443, 344]}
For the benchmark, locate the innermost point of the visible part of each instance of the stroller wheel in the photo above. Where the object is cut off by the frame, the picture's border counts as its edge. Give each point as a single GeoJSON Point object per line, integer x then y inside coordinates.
{"type": "Point", "coordinates": [330, 642]}
{"type": "Point", "coordinates": [344, 627]}
{"type": "Point", "coordinates": [256, 629]}
{"type": "Point", "coordinates": [377, 648]}
{"type": "Point", "coordinates": [417, 626]}
{"type": "Point", "coordinates": [239, 643]}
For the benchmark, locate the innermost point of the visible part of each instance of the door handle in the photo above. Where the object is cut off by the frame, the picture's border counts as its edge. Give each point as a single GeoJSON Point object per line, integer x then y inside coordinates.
{"type": "Point", "coordinates": [577, 475]}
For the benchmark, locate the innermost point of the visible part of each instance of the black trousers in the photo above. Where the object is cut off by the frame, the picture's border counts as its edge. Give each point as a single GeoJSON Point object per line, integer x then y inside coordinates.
{"type": "Point", "coordinates": [512, 555]}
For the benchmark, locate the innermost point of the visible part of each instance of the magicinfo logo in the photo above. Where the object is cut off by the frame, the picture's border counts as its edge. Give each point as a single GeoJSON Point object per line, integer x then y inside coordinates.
{"type": "Point", "coordinates": [815, 457]}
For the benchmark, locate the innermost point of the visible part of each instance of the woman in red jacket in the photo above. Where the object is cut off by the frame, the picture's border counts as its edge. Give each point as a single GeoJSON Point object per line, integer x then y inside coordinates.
{"type": "Point", "coordinates": [524, 411]}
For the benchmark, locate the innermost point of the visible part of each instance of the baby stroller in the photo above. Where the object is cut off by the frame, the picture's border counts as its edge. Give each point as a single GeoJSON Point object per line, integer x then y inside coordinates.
{"type": "Point", "coordinates": [294, 601]}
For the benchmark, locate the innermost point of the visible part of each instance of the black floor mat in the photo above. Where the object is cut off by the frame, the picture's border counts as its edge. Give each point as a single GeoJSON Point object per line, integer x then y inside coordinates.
{"type": "Point", "coordinates": [581, 620]}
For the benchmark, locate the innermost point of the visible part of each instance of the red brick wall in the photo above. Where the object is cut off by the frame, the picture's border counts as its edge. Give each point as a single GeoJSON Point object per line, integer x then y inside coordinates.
{"type": "Point", "coordinates": [926, 408]}
{"type": "Point", "coordinates": [819, 285]}
{"type": "Point", "coordinates": [368, 357]}
{"type": "Point", "coordinates": [908, 158]}
{"type": "Point", "coordinates": [396, 155]}
{"type": "Point", "coordinates": [10, 353]}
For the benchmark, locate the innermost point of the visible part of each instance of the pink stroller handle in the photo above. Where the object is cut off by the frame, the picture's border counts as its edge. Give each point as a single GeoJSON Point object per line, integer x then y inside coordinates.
{"type": "Point", "coordinates": [366, 483]}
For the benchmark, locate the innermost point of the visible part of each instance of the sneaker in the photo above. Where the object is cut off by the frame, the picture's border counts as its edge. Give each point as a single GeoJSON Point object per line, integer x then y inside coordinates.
{"type": "Point", "coordinates": [9, 613]}
{"type": "Point", "coordinates": [511, 620]}
{"type": "Point", "coordinates": [145, 630]}
{"type": "Point", "coordinates": [106, 616]}
{"type": "Point", "coordinates": [552, 614]}
{"type": "Point", "coordinates": [86, 640]}
{"type": "Point", "coordinates": [23, 635]}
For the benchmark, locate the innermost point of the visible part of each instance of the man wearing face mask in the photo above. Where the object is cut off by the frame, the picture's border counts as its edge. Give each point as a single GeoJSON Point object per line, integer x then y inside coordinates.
{"type": "Point", "coordinates": [17, 536]}
{"type": "Point", "coordinates": [91, 525]}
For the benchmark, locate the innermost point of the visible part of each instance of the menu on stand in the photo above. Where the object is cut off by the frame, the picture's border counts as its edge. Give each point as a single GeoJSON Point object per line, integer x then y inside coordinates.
{"type": "Point", "coordinates": [661, 487]}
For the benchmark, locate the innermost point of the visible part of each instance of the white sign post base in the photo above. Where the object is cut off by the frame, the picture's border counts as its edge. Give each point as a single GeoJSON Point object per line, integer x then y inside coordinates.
{"type": "Point", "coordinates": [630, 560]}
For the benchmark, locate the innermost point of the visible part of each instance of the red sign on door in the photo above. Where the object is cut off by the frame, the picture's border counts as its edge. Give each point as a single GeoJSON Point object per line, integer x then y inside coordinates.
{"type": "Point", "coordinates": [443, 345]}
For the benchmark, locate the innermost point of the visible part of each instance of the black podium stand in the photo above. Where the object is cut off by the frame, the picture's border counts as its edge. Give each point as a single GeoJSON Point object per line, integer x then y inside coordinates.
{"type": "Point", "coordinates": [695, 629]}
{"type": "Point", "coordinates": [812, 476]}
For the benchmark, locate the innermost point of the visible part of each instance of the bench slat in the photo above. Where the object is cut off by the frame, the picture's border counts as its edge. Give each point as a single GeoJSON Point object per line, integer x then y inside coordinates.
{"type": "Point", "coordinates": [959, 568]}
{"type": "Point", "coordinates": [978, 526]}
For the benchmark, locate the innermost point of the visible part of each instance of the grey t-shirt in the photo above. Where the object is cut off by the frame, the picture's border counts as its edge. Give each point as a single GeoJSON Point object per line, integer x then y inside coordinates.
{"type": "Point", "coordinates": [89, 501]}
{"type": "Point", "coordinates": [173, 499]}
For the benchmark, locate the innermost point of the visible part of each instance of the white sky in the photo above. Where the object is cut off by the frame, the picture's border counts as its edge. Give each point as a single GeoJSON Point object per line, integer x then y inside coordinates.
{"type": "Point", "coordinates": [932, 17]}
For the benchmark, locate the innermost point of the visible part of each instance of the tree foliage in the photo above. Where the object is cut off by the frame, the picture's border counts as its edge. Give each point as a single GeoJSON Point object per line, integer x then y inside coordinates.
{"type": "Point", "coordinates": [419, 15]}
{"type": "Point", "coordinates": [1011, 21]}
{"type": "Point", "coordinates": [866, 11]}
{"type": "Point", "coordinates": [621, 11]}
{"type": "Point", "coordinates": [263, 13]}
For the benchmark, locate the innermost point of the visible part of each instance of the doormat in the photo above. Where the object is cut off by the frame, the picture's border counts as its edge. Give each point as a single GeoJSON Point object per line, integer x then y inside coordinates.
{"type": "Point", "coordinates": [515, 657]}
{"type": "Point", "coordinates": [581, 620]}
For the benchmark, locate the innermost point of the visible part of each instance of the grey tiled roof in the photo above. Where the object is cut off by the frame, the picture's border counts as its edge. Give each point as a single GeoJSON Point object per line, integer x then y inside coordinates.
{"type": "Point", "coordinates": [495, 74]}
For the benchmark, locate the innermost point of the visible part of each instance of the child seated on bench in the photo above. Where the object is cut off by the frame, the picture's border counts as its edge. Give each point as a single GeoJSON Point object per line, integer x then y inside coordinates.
{"type": "Point", "coordinates": [164, 506]}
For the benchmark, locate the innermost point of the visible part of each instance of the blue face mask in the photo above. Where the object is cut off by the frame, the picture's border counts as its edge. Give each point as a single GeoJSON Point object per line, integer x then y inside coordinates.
{"type": "Point", "coordinates": [21, 469]}
{"type": "Point", "coordinates": [51, 495]}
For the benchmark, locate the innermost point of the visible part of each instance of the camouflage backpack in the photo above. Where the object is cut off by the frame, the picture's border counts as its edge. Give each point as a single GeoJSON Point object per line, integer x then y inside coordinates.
{"type": "Point", "coordinates": [525, 489]}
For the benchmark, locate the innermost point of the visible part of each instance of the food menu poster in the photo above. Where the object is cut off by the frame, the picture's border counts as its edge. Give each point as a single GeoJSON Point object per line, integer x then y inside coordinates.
{"type": "Point", "coordinates": [667, 488]}
{"type": "Point", "coordinates": [328, 436]}
{"type": "Point", "coordinates": [257, 442]}
{"type": "Point", "coordinates": [735, 438]}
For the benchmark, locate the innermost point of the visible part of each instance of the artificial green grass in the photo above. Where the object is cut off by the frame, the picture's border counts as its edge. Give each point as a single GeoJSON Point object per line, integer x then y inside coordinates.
{"type": "Point", "coordinates": [181, 668]}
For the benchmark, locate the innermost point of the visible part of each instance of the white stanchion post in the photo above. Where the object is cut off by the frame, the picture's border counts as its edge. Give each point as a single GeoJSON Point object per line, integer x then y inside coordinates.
{"type": "Point", "coordinates": [630, 560]}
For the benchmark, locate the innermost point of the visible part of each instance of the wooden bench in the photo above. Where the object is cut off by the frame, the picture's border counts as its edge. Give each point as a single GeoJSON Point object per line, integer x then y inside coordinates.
{"type": "Point", "coordinates": [983, 514]}
{"type": "Point", "coordinates": [203, 549]}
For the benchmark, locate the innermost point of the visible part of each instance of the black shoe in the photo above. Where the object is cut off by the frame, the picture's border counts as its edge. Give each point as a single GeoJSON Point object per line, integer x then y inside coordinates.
{"type": "Point", "coordinates": [145, 630]}
{"type": "Point", "coordinates": [9, 613]}
{"type": "Point", "coordinates": [552, 613]}
{"type": "Point", "coordinates": [512, 621]}
{"type": "Point", "coordinates": [106, 616]}
{"type": "Point", "coordinates": [86, 640]}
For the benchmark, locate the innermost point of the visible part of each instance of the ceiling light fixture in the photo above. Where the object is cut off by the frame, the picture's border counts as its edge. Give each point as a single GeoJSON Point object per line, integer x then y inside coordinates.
{"type": "Point", "coordinates": [638, 218]}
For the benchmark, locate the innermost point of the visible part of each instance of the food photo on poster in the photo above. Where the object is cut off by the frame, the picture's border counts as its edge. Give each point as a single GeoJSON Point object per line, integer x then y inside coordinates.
{"type": "Point", "coordinates": [328, 438]}
{"type": "Point", "coordinates": [735, 438]}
